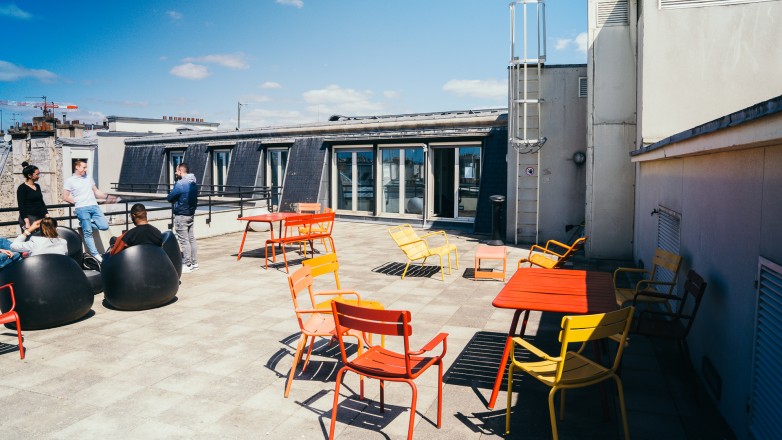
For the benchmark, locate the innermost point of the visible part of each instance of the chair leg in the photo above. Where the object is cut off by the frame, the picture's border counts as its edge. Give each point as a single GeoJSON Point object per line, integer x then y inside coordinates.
{"type": "Point", "coordinates": [561, 405]}
{"type": "Point", "coordinates": [442, 269]}
{"type": "Point", "coordinates": [382, 396]}
{"type": "Point", "coordinates": [404, 272]}
{"type": "Point", "coordinates": [552, 413]}
{"type": "Point", "coordinates": [440, 394]}
{"type": "Point", "coordinates": [412, 410]}
{"type": "Point", "coordinates": [510, 396]}
{"type": "Point", "coordinates": [340, 374]}
{"type": "Point", "coordinates": [19, 335]}
{"type": "Point", "coordinates": [456, 253]}
{"type": "Point", "coordinates": [309, 353]}
{"type": "Point", "coordinates": [296, 357]}
{"type": "Point", "coordinates": [622, 409]}
{"type": "Point", "coordinates": [285, 257]}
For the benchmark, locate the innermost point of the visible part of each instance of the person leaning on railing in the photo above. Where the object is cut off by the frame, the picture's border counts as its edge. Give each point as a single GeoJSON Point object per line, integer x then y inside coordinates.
{"type": "Point", "coordinates": [30, 198]}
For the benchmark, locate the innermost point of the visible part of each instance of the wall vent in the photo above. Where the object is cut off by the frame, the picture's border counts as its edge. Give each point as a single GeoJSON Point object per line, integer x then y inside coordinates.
{"type": "Point", "coordinates": [765, 405]}
{"type": "Point", "coordinates": [674, 4]}
{"type": "Point", "coordinates": [669, 230]}
{"type": "Point", "coordinates": [613, 13]}
{"type": "Point", "coordinates": [583, 87]}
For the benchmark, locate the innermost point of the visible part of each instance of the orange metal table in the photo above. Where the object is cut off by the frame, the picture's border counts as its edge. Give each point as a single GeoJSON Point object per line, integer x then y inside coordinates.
{"type": "Point", "coordinates": [263, 218]}
{"type": "Point", "coordinates": [550, 290]}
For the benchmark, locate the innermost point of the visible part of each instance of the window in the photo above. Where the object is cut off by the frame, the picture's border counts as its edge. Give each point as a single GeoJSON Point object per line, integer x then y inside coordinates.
{"type": "Point", "coordinates": [174, 159]}
{"type": "Point", "coordinates": [276, 161]}
{"type": "Point", "coordinates": [353, 182]}
{"type": "Point", "coordinates": [220, 160]}
{"type": "Point", "coordinates": [402, 174]}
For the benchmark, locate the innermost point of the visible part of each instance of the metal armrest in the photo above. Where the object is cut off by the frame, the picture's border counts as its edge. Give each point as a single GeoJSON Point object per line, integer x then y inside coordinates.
{"type": "Point", "coordinates": [337, 293]}
{"type": "Point", "coordinates": [544, 250]}
{"type": "Point", "coordinates": [441, 338]}
{"type": "Point", "coordinates": [629, 269]}
{"type": "Point", "coordinates": [535, 350]}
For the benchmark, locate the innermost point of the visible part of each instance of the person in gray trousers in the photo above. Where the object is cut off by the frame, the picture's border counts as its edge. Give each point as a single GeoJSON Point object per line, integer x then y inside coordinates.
{"type": "Point", "coordinates": [184, 196]}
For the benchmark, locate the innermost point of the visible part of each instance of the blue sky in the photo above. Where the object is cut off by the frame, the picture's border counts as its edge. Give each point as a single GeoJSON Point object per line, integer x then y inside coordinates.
{"type": "Point", "coordinates": [289, 61]}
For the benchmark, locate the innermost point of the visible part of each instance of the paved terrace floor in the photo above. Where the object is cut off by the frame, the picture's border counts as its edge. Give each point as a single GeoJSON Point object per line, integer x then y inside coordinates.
{"type": "Point", "coordinates": [214, 363]}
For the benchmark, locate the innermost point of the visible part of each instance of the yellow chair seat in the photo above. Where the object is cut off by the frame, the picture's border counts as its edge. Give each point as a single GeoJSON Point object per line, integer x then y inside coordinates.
{"type": "Point", "coordinates": [625, 295]}
{"type": "Point", "coordinates": [540, 260]}
{"type": "Point", "coordinates": [418, 248]}
{"type": "Point", "coordinates": [577, 369]}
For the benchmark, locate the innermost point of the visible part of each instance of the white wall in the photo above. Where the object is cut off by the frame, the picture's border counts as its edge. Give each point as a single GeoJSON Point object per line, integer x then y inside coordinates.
{"type": "Point", "coordinates": [111, 150]}
{"type": "Point", "coordinates": [730, 206]}
{"type": "Point", "coordinates": [702, 63]}
{"type": "Point", "coordinates": [611, 132]}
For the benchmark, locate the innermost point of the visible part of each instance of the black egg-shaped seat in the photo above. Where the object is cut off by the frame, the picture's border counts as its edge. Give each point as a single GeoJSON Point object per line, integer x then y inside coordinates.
{"type": "Point", "coordinates": [139, 277]}
{"type": "Point", "coordinates": [75, 251]}
{"type": "Point", "coordinates": [51, 290]}
{"type": "Point", "coordinates": [171, 246]}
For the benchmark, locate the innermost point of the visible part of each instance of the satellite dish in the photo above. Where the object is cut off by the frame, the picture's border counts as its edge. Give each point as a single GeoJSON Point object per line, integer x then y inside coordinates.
{"type": "Point", "coordinates": [7, 137]}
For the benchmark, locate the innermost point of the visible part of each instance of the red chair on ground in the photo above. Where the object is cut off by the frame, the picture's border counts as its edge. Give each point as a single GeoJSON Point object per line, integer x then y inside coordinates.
{"type": "Point", "coordinates": [379, 363]}
{"type": "Point", "coordinates": [10, 316]}
{"type": "Point", "coordinates": [289, 235]}
{"type": "Point", "coordinates": [312, 322]}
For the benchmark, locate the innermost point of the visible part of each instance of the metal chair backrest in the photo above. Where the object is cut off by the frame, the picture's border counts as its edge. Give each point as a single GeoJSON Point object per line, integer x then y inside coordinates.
{"type": "Point", "coordinates": [694, 287]}
{"type": "Point", "coordinates": [583, 328]}
{"type": "Point", "coordinates": [322, 265]}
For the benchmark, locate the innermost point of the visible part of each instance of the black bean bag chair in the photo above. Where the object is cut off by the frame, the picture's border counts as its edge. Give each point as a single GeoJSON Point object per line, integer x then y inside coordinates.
{"type": "Point", "coordinates": [51, 290]}
{"type": "Point", "coordinates": [75, 251]}
{"type": "Point", "coordinates": [171, 246]}
{"type": "Point", "coordinates": [138, 278]}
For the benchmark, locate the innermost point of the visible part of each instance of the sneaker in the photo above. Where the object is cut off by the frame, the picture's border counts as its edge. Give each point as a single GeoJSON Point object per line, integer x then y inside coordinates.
{"type": "Point", "coordinates": [98, 257]}
{"type": "Point", "coordinates": [194, 266]}
{"type": "Point", "coordinates": [186, 269]}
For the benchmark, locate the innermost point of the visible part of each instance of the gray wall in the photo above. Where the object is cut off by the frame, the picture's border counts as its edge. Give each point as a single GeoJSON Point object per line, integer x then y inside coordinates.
{"type": "Point", "coordinates": [562, 182]}
{"type": "Point", "coordinates": [730, 205]}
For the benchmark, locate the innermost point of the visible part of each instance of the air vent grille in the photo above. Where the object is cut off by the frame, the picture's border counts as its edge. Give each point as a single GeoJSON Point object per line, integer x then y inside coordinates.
{"type": "Point", "coordinates": [613, 13]}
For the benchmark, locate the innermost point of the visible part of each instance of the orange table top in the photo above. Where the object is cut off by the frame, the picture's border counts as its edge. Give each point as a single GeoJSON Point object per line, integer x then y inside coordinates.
{"type": "Point", "coordinates": [271, 217]}
{"type": "Point", "coordinates": [558, 290]}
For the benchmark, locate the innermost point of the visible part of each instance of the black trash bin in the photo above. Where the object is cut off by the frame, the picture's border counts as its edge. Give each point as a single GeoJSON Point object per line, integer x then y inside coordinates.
{"type": "Point", "coordinates": [496, 221]}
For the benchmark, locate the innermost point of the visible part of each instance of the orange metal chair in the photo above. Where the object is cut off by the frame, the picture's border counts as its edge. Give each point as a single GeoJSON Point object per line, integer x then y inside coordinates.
{"type": "Point", "coordinates": [312, 322]}
{"type": "Point", "coordinates": [307, 208]}
{"type": "Point", "coordinates": [571, 369]}
{"type": "Point", "coordinates": [549, 258]}
{"type": "Point", "coordinates": [10, 316]}
{"type": "Point", "coordinates": [322, 227]}
{"type": "Point", "coordinates": [382, 364]}
{"type": "Point", "coordinates": [289, 234]}
{"type": "Point", "coordinates": [417, 248]}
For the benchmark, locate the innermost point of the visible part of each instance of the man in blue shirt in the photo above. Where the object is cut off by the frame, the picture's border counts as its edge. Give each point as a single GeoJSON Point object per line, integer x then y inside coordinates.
{"type": "Point", "coordinates": [184, 196]}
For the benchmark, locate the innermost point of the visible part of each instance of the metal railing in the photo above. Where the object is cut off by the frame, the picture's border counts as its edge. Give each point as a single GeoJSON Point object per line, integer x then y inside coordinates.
{"type": "Point", "coordinates": [230, 196]}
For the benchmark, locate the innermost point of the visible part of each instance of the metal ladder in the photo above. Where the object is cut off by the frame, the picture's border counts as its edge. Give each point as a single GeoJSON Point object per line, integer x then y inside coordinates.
{"type": "Point", "coordinates": [524, 113]}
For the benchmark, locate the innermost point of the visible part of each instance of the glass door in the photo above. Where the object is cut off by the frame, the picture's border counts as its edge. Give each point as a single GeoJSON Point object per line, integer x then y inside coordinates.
{"type": "Point", "coordinates": [276, 161]}
{"type": "Point", "coordinates": [402, 180]}
{"type": "Point", "coordinates": [220, 160]}
{"type": "Point", "coordinates": [174, 159]}
{"type": "Point", "coordinates": [354, 180]}
{"type": "Point", "coordinates": [455, 180]}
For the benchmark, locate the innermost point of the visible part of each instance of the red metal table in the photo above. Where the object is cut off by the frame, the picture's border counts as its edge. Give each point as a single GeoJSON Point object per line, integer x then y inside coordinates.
{"type": "Point", "coordinates": [263, 218]}
{"type": "Point", "coordinates": [550, 290]}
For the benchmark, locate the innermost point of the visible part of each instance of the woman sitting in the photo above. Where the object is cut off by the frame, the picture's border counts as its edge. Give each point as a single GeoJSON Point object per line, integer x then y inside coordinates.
{"type": "Point", "coordinates": [48, 243]}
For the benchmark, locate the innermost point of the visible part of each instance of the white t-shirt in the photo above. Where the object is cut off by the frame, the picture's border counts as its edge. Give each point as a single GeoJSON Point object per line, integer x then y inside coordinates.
{"type": "Point", "coordinates": [40, 245]}
{"type": "Point", "coordinates": [81, 190]}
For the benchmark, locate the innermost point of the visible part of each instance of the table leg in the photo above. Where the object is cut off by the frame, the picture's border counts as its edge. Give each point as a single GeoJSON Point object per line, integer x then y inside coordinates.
{"type": "Point", "coordinates": [271, 231]}
{"type": "Point", "coordinates": [241, 246]}
{"type": "Point", "coordinates": [506, 353]}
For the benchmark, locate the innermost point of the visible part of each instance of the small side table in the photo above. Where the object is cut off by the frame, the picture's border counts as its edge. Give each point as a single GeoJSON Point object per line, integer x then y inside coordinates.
{"type": "Point", "coordinates": [485, 252]}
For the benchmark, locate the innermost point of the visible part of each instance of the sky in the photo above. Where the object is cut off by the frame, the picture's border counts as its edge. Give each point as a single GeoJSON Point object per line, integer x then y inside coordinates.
{"type": "Point", "coordinates": [287, 61]}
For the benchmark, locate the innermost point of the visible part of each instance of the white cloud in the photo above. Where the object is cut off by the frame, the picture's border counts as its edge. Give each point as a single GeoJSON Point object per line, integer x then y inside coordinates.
{"type": "Point", "coordinates": [336, 100]}
{"type": "Point", "coordinates": [13, 11]}
{"type": "Point", "coordinates": [232, 61]}
{"type": "Point", "coordinates": [163, 58]}
{"type": "Point", "coordinates": [391, 94]}
{"type": "Point", "coordinates": [254, 98]}
{"type": "Point", "coordinates": [477, 88]}
{"type": "Point", "coordinates": [174, 15]}
{"type": "Point", "coordinates": [271, 85]}
{"type": "Point", "coordinates": [12, 72]}
{"type": "Point", "coordinates": [122, 103]}
{"type": "Point", "coordinates": [578, 43]}
{"type": "Point", "coordinates": [267, 118]}
{"type": "Point", "coordinates": [297, 3]}
{"type": "Point", "coordinates": [190, 71]}
{"type": "Point", "coordinates": [581, 42]}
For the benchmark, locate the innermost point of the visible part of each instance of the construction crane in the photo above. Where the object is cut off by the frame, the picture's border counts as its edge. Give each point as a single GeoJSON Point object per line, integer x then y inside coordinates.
{"type": "Point", "coordinates": [45, 106]}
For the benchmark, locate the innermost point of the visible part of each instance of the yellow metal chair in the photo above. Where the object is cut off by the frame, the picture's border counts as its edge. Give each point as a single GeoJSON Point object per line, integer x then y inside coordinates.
{"type": "Point", "coordinates": [417, 248]}
{"type": "Point", "coordinates": [549, 258]}
{"type": "Point", "coordinates": [647, 289]}
{"type": "Point", "coordinates": [571, 369]}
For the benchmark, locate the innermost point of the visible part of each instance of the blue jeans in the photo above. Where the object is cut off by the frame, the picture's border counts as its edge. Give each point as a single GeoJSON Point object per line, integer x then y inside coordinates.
{"type": "Point", "coordinates": [5, 260]}
{"type": "Point", "coordinates": [89, 217]}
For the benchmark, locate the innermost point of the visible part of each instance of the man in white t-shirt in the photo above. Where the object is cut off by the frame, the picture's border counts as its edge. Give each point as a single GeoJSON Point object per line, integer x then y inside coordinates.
{"type": "Point", "coordinates": [81, 191]}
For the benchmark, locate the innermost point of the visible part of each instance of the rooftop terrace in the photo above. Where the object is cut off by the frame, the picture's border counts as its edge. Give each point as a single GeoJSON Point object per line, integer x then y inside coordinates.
{"type": "Point", "coordinates": [214, 363]}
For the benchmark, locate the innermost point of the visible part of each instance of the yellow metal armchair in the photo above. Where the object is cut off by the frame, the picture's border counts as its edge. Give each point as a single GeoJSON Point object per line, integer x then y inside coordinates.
{"type": "Point", "coordinates": [554, 255]}
{"type": "Point", "coordinates": [571, 369]}
{"type": "Point", "coordinates": [417, 248]}
{"type": "Point", "coordinates": [651, 289]}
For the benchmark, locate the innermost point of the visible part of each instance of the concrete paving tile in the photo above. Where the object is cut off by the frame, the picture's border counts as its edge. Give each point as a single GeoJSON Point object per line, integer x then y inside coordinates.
{"type": "Point", "coordinates": [195, 413]}
{"type": "Point", "coordinates": [148, 372]}
{"type": "Point", "coordinates": [105, 392]}
{"type": "Point", "coordinates": [33, 374]}
{"type": "Point", "coordinates": [243, 423]}
{"type": "Point", "coordinates": [153, 429]}
{"type": "Point", "coordinates": [66, 385]}
{"type": "Point", "coordinates": [100, 425]}
{"type": "Point", "coordinates": [187, 382]}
